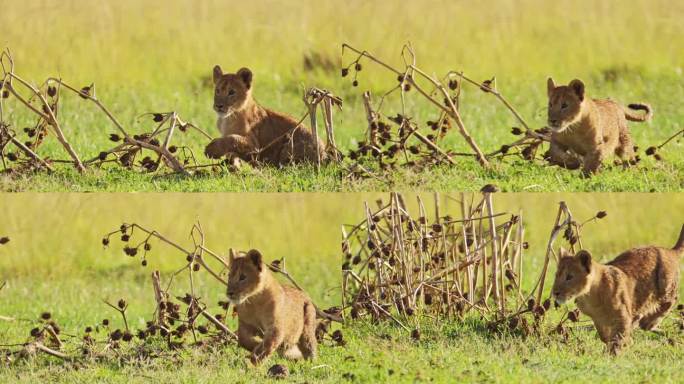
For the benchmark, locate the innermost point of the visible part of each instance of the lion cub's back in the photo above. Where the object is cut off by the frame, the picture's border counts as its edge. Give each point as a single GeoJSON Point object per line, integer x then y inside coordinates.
{"type": "Point", "coordinates": [654, 270]}
{"type": "Point", "coordinates": [612, 116]}
{"type": "Point", "coordinates": [642, 262]}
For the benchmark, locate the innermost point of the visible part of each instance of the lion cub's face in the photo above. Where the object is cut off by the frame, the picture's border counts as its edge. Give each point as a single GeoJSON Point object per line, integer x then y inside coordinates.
{"type": "Point", "coordinates": [244, 279]}
{"type": "Point", "coordinates": [231, 90]}
{"type": "Point", "coordinates": [565, 104]}
{"type": "Point", "coordinates": [573, 276]}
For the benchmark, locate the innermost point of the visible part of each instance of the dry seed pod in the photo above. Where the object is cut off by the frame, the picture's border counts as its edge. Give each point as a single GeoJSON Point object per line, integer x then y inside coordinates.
{"type": "Point", "coordinates": [278, 371]}
{"type": "Point", "coordinates": [116, 335]}
{"type": "Point", "coordinates": [85, 92]}
{"type": "Point", "coordinates": [574, 315]}
{"type": "Point", "coordinates": [513, 323]}
{"type": "Point", "coordinates": [415, 334]}
{"type": "Point", "coordinates": [489, 188]}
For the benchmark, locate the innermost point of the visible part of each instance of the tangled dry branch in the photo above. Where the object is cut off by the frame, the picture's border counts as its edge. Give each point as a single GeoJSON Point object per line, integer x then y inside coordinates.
{"type": "Point", "coordinates": [405, 269]}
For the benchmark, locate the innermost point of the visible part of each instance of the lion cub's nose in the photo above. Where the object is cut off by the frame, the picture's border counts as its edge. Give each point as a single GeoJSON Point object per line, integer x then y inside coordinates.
{"type": "Point", "coordinates": [556, 293]}
{"type": "Point", "coordinates": [553, 121]}
{"type": "Point", "coordinates": [218, 106]}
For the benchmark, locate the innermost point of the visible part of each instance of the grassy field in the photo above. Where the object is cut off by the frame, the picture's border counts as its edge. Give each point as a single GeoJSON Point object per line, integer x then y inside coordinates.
{"type": "Point", "coordinates": [156, 56]}
{"type": "Point", "coordinates": [56, 263]}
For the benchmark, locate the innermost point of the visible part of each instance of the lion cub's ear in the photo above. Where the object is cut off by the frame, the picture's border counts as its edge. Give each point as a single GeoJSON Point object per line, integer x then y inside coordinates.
{"type": "Point", "coordinates": [246, 76]}
{"type": "Point", "coordinates": [218, 72]}
{"type": "Point", "coordinates": [585, 259]}
{"type": "Point", "coordinates": [550, 86]}
{"type": "Point", "coordinates": [564, 252]}
{"type": "Point", "coordinates": [578, 86]}
{"type": "Point", "coordinates": [255, 257]}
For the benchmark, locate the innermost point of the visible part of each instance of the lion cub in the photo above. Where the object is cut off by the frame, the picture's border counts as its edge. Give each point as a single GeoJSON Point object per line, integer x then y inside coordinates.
{"type": "Point", "coordinates": [271, 316]}
{"type": "Point", "coordinates": [253, 132]}
{"type": "Point", "coordinates": [638, 288]}
{"type": "Point", "coordinates": [592, 129]}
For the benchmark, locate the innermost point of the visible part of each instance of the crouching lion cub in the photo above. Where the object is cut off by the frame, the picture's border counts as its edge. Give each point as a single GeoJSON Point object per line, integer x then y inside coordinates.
{"type": "Point", "coordinates": [638, 288]}
{"type": "Point", "coordinates": [271, 316]}
{"type": "Point", "coordinates": [253, 132]}
{"type": "Point", "coordinates": [589, 129]}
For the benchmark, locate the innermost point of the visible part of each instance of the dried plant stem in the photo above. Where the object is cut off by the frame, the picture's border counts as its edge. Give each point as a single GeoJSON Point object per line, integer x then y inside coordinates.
{"type": "Point", "coordinates": [451, 110]}
{"type": "Point", "coordinates": [500, 97]}
{"type": "Point", "coordinates": [218, 324]}
{"type": "Point", "coordinates": [158, 296]}
{"type": "Point", "coordinates": [51, 352]}
{"type": "Point", "coordinates": [312, 106]}
{"type": "Point", "coordinates": [31, 154]}
{"type": "Point", "coordinates": [49, 117]}
{"type": "Point", "coordinates": [558, 225]}
{"type": "Point", "coordinates": [670, 139]}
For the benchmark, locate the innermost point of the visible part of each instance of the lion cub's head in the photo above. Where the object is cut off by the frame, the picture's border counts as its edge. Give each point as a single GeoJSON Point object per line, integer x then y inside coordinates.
{"type": "Point", "coordinates": [245, 277]}
{"type": "Point", "coordinates": [573, 277]}
{"type": "Point", "coordinates": [231, 90]}
{"type": "Point", "coordinates": [565, 104]}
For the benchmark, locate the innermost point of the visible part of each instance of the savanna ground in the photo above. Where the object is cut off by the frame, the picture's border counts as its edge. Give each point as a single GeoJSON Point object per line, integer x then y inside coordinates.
{"type": "Point", "coordinates": [56, 263]}
{"type": "Point", "coordinates": [157, 56]}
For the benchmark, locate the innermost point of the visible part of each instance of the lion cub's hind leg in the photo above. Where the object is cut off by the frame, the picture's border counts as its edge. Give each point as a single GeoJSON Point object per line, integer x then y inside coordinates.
{"type": "Point", "coordinates": [292, 353]}
{"type": "Point", "coordinates": [307, 342]}
{"type": "Point", "coordinates": [625, 148]}
{"type": "Point", "coordinates": [300, 147]}
{"type": "Point", "coordinates": [651, 322]}
{"type": "Point", "coordinates": [593, 161]}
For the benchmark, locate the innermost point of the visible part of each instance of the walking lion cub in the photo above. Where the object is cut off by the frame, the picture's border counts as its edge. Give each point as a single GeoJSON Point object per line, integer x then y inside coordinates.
{"type": "Point", "coordinates": [638, 288]}
{"type": "Point", "coordinates": [587, 131]}
{"type": "Point", "coordinates": [255, 133]}
{"type": "Point", "coordinates": [271, 316]}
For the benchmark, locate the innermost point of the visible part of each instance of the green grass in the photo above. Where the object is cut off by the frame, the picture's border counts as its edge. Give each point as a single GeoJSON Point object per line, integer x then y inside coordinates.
{"type": "Point", "coordinates": [146, 57]}
{"type": "Point", "coordinates": [55, 262]}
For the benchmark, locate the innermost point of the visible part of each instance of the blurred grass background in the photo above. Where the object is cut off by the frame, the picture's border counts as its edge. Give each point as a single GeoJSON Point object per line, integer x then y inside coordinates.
{"type": "Point", "coordinates": [157, 56]}
{"type": "Point", "coordinates": [168, 44]}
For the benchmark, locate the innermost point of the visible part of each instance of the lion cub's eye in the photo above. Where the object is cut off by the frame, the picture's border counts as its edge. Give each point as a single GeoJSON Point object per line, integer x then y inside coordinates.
{"type": "Point", "coordinates": [568, 277]}
{"type": "Point", "coordinates": [231, 92]}
{"type": "Point", "coordinates": [564, 105]}
{"type": "Point", "coordinates": [242, 277]}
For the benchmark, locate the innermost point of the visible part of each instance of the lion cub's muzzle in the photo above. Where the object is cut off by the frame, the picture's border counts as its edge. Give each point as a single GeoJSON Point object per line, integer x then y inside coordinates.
{"type": "Point", "coordinates": [559, 297]}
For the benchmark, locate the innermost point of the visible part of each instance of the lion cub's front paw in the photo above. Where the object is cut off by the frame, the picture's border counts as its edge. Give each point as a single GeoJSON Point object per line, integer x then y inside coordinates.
{"type": "Point", "coordinates": [255, 359]}
{"type": "Point", "coordinates": [215, 149]}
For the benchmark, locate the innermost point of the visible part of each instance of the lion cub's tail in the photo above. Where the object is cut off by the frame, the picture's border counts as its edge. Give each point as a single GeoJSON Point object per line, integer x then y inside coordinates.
{"type": "Point", "coordinates": [638, 117]}
{"type": "Point", "coordinates": [679, 247]}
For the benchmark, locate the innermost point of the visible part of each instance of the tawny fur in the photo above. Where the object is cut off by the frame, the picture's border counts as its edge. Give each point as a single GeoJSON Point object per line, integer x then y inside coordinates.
{"type": "Point", "coordinates": [253, 132]}
{"type": "Point", "coordinates": [586, 131]}
{"type": "Point", "coordinates": [638, 288]}
{"type": "Point", "coordinates": [271, 316]}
